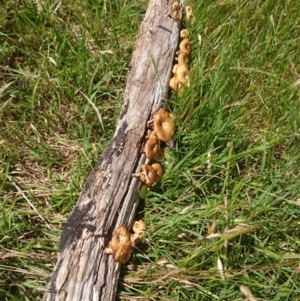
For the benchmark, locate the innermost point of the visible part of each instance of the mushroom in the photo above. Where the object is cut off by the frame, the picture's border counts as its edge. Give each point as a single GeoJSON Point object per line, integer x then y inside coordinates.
{"type": "Point", "coordinates": [182, 58]}
{"type": "Point", "coordinates": [175, 11]}
{"type": "Point", "coordinates": [152, 146]}
{"type": "Point", "coordinates": [174, 69]}
{"type": "Point", "coordinates": [180, 69]}
{"type": "Point", "coordinates": [175, 15]}
{"type": "Point", "coordinates": [159, 171]}
{"type": "Point", "coordinates": [147, 175]}
{"type": "Point", "coordinates": [184, 33]}
{"type": "Point", "coordinates": [139, 231]}
{"type": "Point", "coordinates": [150, 173]}
{"type": "Point", "coordinates": [164, 125]}
{"type": "Point", "coordinates": [189, 14]}
{"type": "Point", "coordinates": [191, 18]}
{"type": "Point", "coordinates": [185, 46]}
{"type": "Point", "coordinates": [176, 5]}
{"type": "Point", "coordinates": [188, 9]}
{"type": "Point", "coordinates": [120, 245]}
{"type": "Point", "coordinates": [174, 83]}
{"type": "Point", "coordinates": [182, 73]}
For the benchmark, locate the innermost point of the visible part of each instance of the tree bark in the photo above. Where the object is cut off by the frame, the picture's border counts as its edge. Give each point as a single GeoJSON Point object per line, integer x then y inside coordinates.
{"type": "Point", "coordinates": [110, 197]}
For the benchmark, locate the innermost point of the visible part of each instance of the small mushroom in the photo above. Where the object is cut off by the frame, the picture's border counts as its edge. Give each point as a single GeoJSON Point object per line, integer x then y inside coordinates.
{"type": "Point", "coordinates": [139, 227]}
{"type": "Point", "coordinates": [147, 175]}
{"type": "Point", "coordinates": [182, 58]}
{"type": "Point", "coordinates": [151, 173]}
{"type": "Point", "coordinates": [174, 83]}
{"type": "Point", "coordinates": [176, 5]}
{"type": "Point", "coordinates": [164, 125]}
{"type": "Point", "coordinates": [191, 18]}
{"type": "Point", "coordinates": [189, 14]}
{"type": "Point", "coordinates": [184, 33]}
{"type": "Point", "coordinates": [182, 74]}
{"type": "Point", "coordinates": [175, 11]}
{"type": "Point", "coordinates": [120, 245]}
{"type": "Point", "coordinates": [185, 46]}
{"type": "Point", "coordinates": [175, 15]}
{"type": "Point", "coordinates": [188, 9]}
{"type": "Point", "coordinates": [152, 146]}
{"type": "Point", "coordinates": [159, 171]}
{"type": "Point", "coordinates": [174, 69]}
{"type": "Point", "coordinates": [139, 232]}
{"type": "Point", "coordinates": [180, 77]}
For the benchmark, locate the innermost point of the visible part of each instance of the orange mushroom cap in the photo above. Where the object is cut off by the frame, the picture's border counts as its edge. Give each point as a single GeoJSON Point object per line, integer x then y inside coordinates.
{"type": "Point", "coordinates": [152, 146]}
{"type": "Point", "coordinates": [174, 69]}
{"type": "Point", "coordinates": [139, 232]}
{"type": "Point", "coordinates": [175, 11]}
{"type": "Point", "coordinates": [190, 18]}
{"type": "Point", "coordinates": [147, 175]}
{"type": "Point", "coordinates": [174, 83]}
{"type": "Point", "coordinates": [123, 254]}
{"type": "Point", "coordinates": [189, 14]}
{"type": "Point", "coordinates": [184, 33]}
{"type": "Point", "coordinates": [182, 73]}
{"type": "Point", "coordinates": [139, 227]}
{"type": "Point", "coordinates": [120, 245]}
{"type": "Point", "coordinates": [185, 46]}
{"type": "Point", "coordinates": [164, 125]}
{"type": "Point", "coordinates": [182, 58]}
{"type": "Point", "coordinates": [159, 171]}
{"type": "Point", "coordinates": [188, 9]}
{"type": "Point", "coordinates": [176, 5]}
{"type": "Point", "coordinates": [175, 15]}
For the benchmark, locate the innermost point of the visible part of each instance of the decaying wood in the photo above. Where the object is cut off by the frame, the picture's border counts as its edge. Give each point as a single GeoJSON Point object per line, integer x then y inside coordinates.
{"type": "Point", "coordinates": [110, 196]}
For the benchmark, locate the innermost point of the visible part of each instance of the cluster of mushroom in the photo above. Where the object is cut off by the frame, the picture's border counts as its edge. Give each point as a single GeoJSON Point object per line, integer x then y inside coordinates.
{"type": "Point", "coordinates": [122, 241]}
{"type": "Point", "coordinates": [175, 11]}
{"type": "Point", "coordinates": [180, 70]}
{"type": "Point", "coordinates": [189, 14]}
{"type": "Point", "coordinates": [151, 173]}
{"type": "Point", "coordinates": [163, 129]}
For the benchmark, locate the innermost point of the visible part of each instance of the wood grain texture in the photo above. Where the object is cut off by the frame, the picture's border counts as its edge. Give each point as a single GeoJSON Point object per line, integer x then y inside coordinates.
{"type": "Point", "coordinates": [110, 196]}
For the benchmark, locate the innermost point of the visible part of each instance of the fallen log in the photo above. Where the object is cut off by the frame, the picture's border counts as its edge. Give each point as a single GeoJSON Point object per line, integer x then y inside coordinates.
{"type": "Point", "coordinates": [110, 197]}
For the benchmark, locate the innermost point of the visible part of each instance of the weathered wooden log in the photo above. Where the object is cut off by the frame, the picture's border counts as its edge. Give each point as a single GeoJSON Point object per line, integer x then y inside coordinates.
{"type": "Point", "coordinates": [110, 196]}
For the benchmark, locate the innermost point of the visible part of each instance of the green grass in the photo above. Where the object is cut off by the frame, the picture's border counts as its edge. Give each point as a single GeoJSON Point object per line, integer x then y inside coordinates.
{"type": "Point", "coordinates": [230, 192]}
